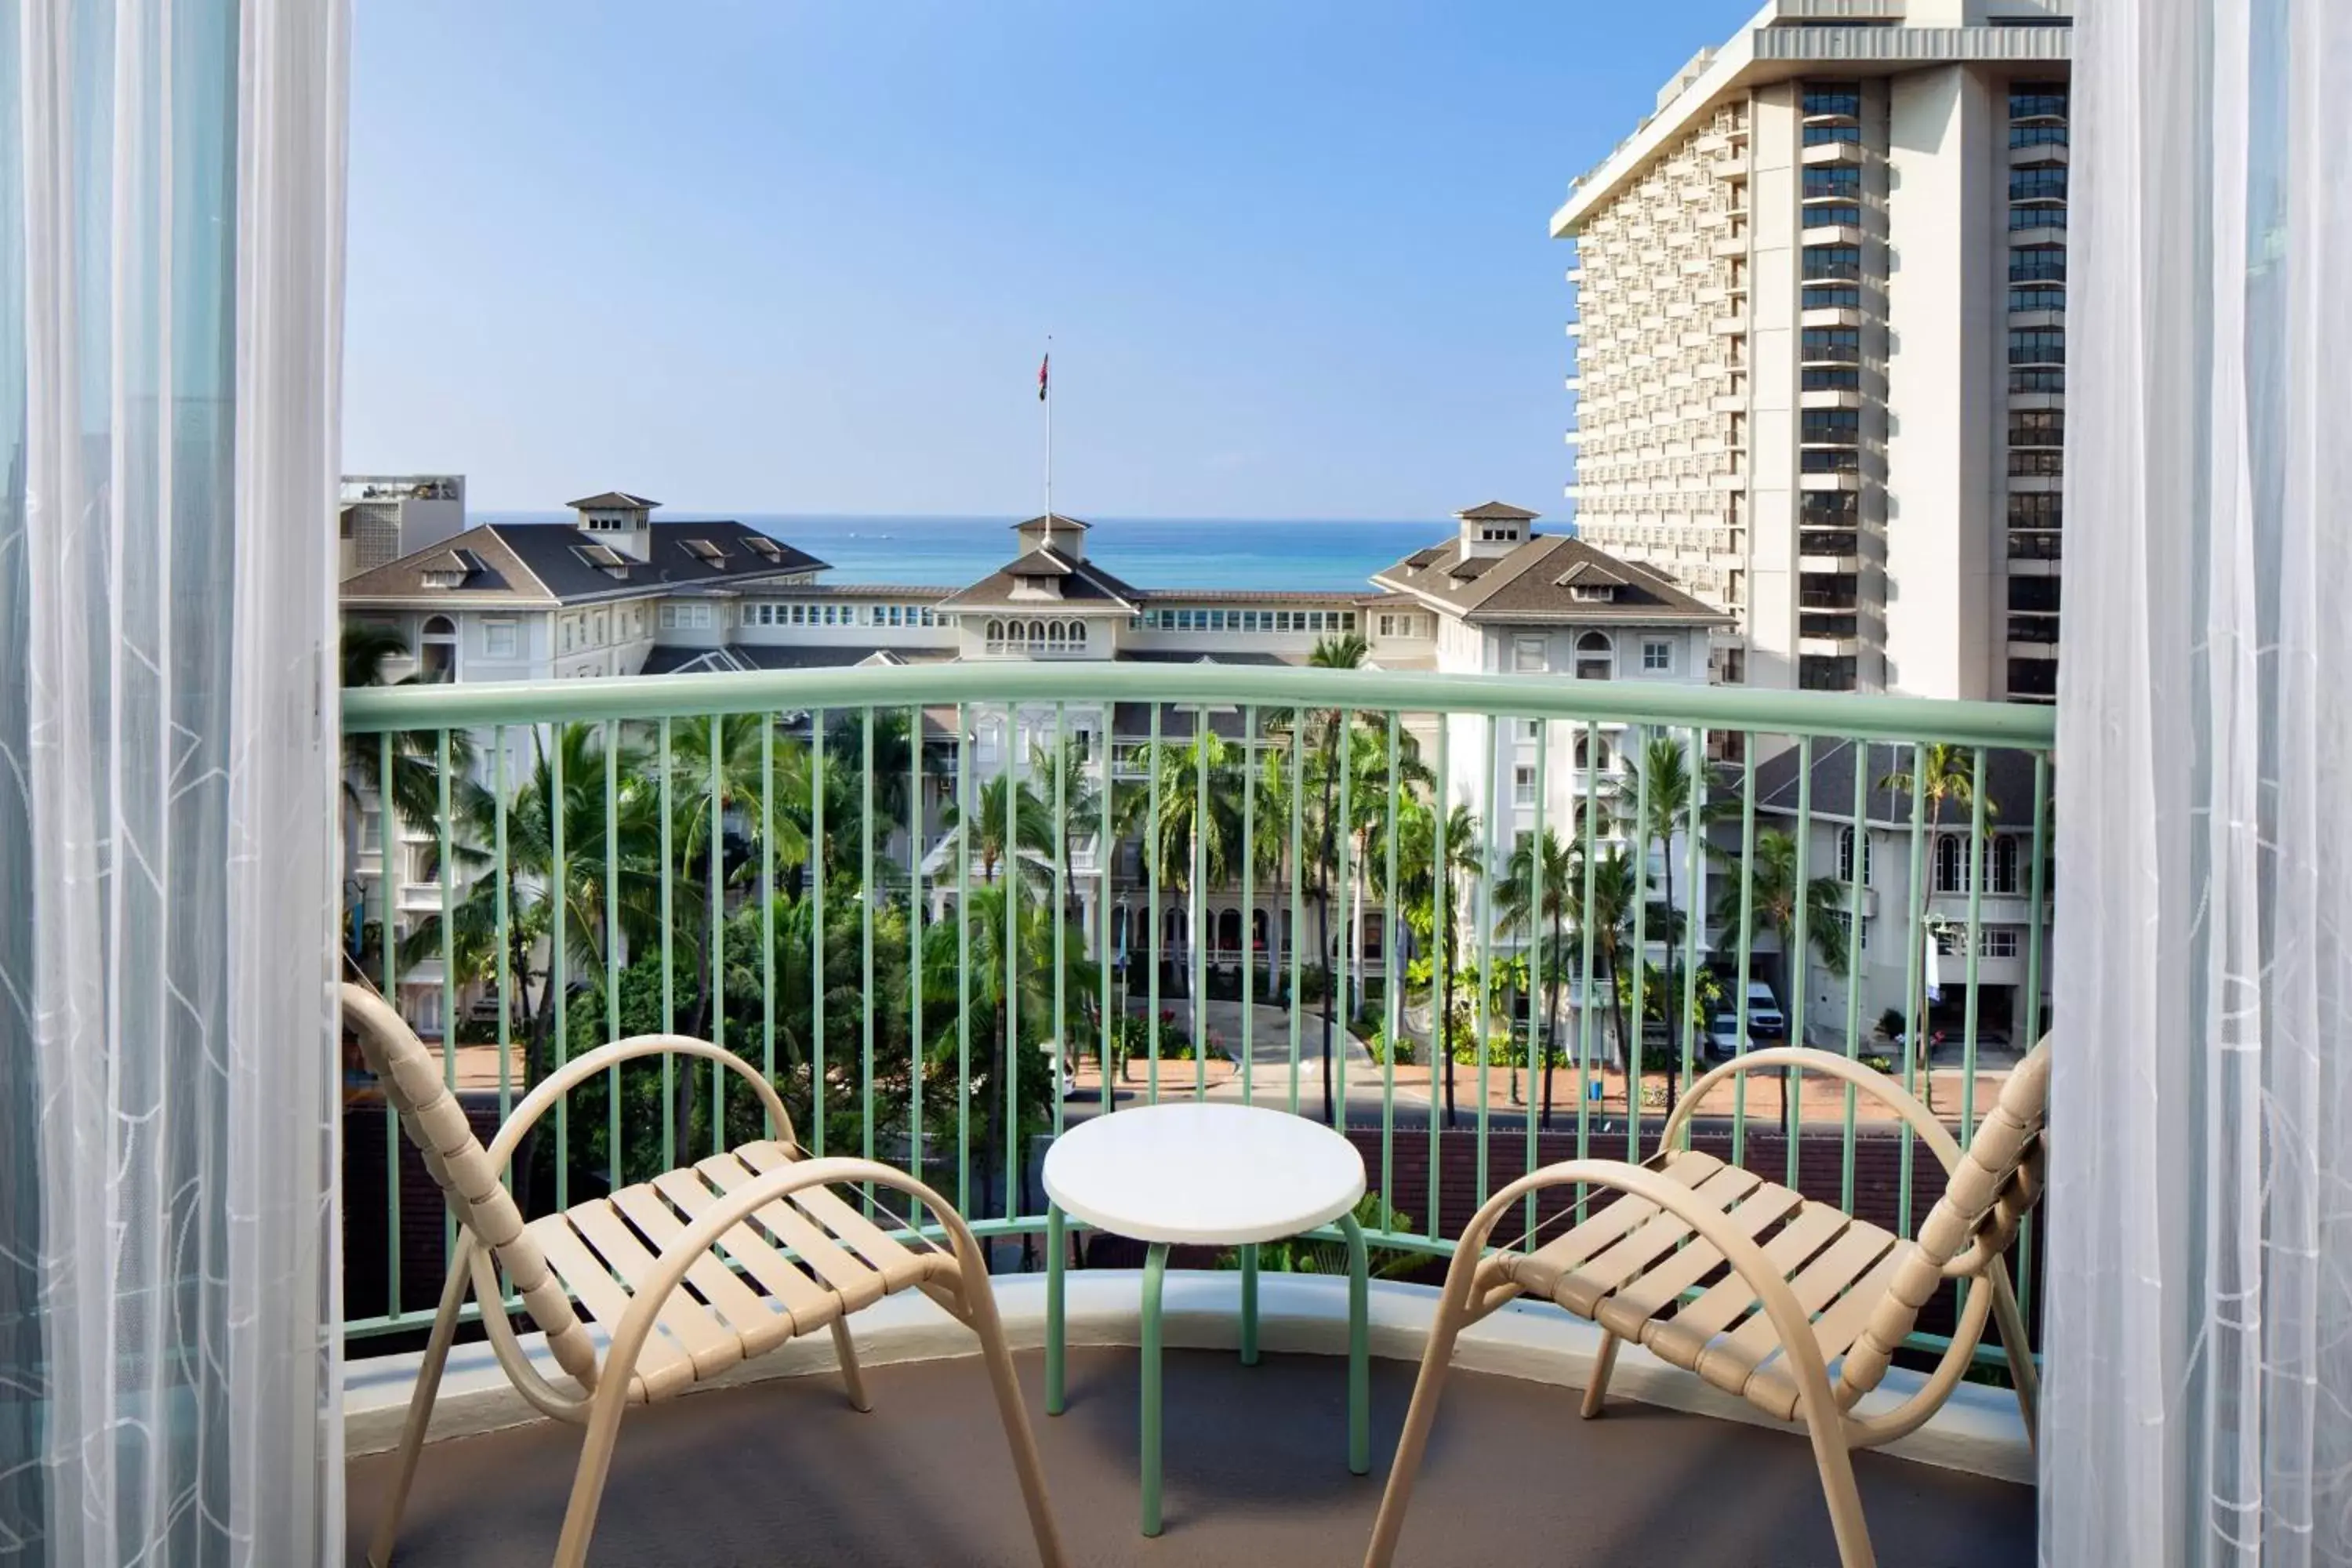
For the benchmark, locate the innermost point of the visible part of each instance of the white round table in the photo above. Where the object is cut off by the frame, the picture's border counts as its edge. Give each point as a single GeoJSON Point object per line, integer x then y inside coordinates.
{"type": "Point", "coordinates": [1196, 1174]}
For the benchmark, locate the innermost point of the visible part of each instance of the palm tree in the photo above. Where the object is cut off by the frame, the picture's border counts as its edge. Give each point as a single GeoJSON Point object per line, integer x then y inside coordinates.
{"type": "Point", "coordinates": [1029, 938]}
{"type": "Point", "coordinates": [1188, 824]}
{"type": "Point", "coordinates": [1275, 804]}
{"type": "Point", "coordinates": [1535, 889]}
{"type": "Point", "coordinates": [1031, 827]}
{"type": "Point", "coordinates": [1064, 773]}
{"type": "Point", "coordinates": [1664, 766]}
{"type": "Point", "coordinates": [1608, 915]}
{"type": "Point", "coordinates": [1423, 877]}
{"type": "Point", "coordinates": [415, 803]}
{"type": "Point", "coordinates": [1325, 728]}
{"type": "Point", "coordinates": [1371, 814]}
{"type": "Point", "coordinates": [1773, 898]}
{"type": "Point", "coordinates": [1947, 773]}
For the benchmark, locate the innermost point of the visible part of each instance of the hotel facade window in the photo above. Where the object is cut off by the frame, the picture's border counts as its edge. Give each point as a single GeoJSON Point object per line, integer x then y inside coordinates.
{"type": "Point", "coordinates": [1596, 657]}
{"type": "Point", "coordinates": [498, 639]}
{"type": "Point", "coordinates": [1529, 655]}
{"type": "Point", "coordinates": [1657, 657]}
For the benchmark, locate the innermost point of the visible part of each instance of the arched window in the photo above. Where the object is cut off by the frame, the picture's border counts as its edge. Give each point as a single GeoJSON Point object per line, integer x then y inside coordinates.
{"type": "Point", "coordinates": [437, 649]}
{"type": "Point", "coordinates": [1258, 930]}
{"type": "Point", "coordinates": [1229, 930]}
{"type": "Point", "coordinates": [1952, 863]}
{"type": "Point", "coordinates": [1037, 633]}
{"type": "Point", "coordinates": [1596, 658]}
{"type": "Point", "coordinates": [2004, 877]}
{"type": "Point", "coordinates": [1591, 753]}
{"type": "Point", "coordinates": [995, 634]}
{"type": "Point", "coordinates": [1171, 927]}
{"type": "Point", "coordinates": [1845, 857]}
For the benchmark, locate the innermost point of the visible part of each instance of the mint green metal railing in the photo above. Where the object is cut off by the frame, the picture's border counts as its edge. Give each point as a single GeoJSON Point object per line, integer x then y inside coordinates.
{"type": "Point", "coordinates": [594, 862]}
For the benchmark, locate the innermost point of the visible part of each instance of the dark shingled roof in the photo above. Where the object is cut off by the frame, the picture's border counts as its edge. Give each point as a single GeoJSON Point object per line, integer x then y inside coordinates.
{"type": "Point", "coordinates": [1185, 656]}
{"type": "Point", "coordinates": [1529, 584]}
{"type": "Point", "coordinates": [1497, 512]}
{"type": "Point", "coordinates": [1083, 583]}
{"type": "Point", "coordinates": [669, 658]}
{"type": "Point", "coordinates": [1133, 721]}
{"type": "Point", "coordinates": [2009, 786]}
{"type": "Point", "coordinates": [550, 562]}
{"type": "Point", "coordinates": [1056, 519]}
{"type": "Point", "coordinates": [611, 501]}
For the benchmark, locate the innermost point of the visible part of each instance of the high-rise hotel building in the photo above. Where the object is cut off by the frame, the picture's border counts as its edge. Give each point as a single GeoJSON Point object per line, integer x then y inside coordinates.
{"type": "Point", "coordinates": [1820, 344]}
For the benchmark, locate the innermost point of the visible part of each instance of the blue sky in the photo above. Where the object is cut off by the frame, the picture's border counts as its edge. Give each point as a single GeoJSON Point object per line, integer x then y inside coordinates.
{"type": "Point", "coordinates": [791, 258]}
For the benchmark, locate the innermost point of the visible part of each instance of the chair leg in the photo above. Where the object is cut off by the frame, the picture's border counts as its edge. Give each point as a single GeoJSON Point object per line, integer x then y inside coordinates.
{"type": "Point", "coordinates": [1436, 1360]}
{"type": "Point", "coordinates": [420, 1404]}
{"type": "Point", "coordinates": [980, 1312]}
{"type": "Point", "coordinates": [2019, 1346]}
{"type": "Point", "coordinates": [853, 1381]}
{"type": "Point", "coordinates": [1836, 1459]}
{"type": "Point", "coordinates": [596, 1462]}
{"type": "Point", "coordinates": [1596, 1385]}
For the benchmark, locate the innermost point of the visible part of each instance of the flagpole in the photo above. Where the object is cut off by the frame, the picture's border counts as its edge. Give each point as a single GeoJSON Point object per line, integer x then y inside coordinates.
{"type": "Point", "coordinates": [1049, 439]}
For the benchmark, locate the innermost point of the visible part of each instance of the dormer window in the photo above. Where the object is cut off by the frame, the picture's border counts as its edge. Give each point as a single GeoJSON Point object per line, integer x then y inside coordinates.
{"type": "Point", "coordinates": [765, 548]}
{"type": "Point", "coordinates": [604, 558]}
{"type": "Point", "coordinates": [1593, 592]}
{"type": "Point", "coordinates": [705, 552]}
{"type": "Point", "coordinates": [450, 569]}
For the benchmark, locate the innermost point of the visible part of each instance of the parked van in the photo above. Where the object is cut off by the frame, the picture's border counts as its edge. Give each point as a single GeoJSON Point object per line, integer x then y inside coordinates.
{"type": "Point", "coordinates": [1765, 1020]}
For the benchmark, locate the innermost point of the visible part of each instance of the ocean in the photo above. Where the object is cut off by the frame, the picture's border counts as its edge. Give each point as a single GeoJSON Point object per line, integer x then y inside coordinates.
{"type": "Point", "coordinates": [1150, 553]}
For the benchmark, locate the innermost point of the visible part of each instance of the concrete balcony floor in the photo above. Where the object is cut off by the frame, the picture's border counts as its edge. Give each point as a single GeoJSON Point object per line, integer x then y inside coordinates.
{"type": "Point", "coordinates": [785, 1472]}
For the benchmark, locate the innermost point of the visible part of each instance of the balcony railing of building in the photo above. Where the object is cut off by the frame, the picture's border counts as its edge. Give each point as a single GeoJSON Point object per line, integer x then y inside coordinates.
{"type": "Point", "coordinates": [945, 1021]}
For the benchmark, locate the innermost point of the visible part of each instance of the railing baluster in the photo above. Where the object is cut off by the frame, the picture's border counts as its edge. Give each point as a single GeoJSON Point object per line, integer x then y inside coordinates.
{"type": "Point", "coordinates": [1247, 775]}
{"type": "Point", "coordinates": [1915, 1009]}
{"type": "Point", "coordinates": [1297, 880]}
{"type": "Point", "coordinates": [2033, 1033]}
{"type": "Point", "coordinates": [1104, 848]}
{"type": "Point", "coordinates": [713, 835]}
{"type": "Point", "coordinates": [1063, 1055]}
{"type": "Point", "coordinates": [1531, 947]}
{"type": "Point", "coordinates": [559, 917]}
{"type": "Point", "coordinates": [1008, 867]}
{"type": "Point", "coordinates": [1797, 965]}
{"type": "Point", "coordinates": [448, 876]}
{"type": "Point", "coordinates": [1857, 934]}
{"type": "Point", "coordinates": [1589, 1000]}
{"type": "Point", "coordinates": [1199, 889]}
{"type": "Point", "coordinates": [1694, 911]}
{"type": "Point", "coordinates": [1976, 812]}
{"type": "Point", "coordinates": [1339, 1011]}
{"type": "Point", "coordinates": [1747, 938]}
{"type": "Point", "coordinates": [868, 893]}
{"type": "Point", "coordinates": [915, 850]}
{"type": "Point", "coordinates": [1392, 982]}
{"type": "Point", "coordinates": [389, 868]}
{"type": "Point", "coordinates": [1637, 1053]}
{"type": "Point", "coordinates": [1440, 940]}
{"type": "Point", "coordinates": [1155, 844]}
{"type": "Point", "coordinates": [1486, 918]}
{"type": "Point", "coordinates": [503, 917]}
{"type": "Point", "coordinates": [669, 973]}
{"type": "Point", "coordinates": [965, 827]}
{"type": "Point", "coordinates": [768, 909]}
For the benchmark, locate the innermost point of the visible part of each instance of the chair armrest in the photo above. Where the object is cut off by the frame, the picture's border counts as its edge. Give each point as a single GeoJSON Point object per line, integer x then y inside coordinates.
{"type": "Point", "coordinates": [1870, 1081]}
{"type": "Point", "coordinates": [558, 1083]}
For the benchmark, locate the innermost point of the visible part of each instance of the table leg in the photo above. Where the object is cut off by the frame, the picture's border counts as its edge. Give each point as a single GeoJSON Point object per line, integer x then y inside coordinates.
{"type": "Point", "coordinates": [1155, 1276]}
{"type": "Point", "coordinates": [1056, 1247]}
{"type": "Point", "coordinates": [1249, 1305]}
{"type": "Point", "coordinates": [1359, 1360]}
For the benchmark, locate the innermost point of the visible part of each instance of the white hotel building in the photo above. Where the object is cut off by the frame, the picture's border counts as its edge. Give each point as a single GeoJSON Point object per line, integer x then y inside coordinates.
{"type": "Point", "coordinates": [1820, 342]}
{"type": "Point", "coordinates": [616, 593]}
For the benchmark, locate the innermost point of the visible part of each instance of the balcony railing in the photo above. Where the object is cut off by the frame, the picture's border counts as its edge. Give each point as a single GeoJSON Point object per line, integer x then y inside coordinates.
{"type": "Point", "coordinates": [951, 1022]}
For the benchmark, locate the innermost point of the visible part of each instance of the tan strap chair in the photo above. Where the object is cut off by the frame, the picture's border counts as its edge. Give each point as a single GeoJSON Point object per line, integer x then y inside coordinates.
{"type": "Point", "coordinates": [650, 1263]}
{"type": "Point", "coordinates": [1757, 1290]}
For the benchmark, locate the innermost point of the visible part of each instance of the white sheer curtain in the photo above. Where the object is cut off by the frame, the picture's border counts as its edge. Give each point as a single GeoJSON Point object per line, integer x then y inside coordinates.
{"type": "Point", "coordinates": [2198, 1393]}
{"type": "Point", "coordinates": [171, 220]}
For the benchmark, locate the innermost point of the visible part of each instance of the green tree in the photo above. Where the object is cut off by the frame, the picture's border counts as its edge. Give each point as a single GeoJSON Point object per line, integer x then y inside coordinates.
{"type": "Point", "coordinates": [1536, 891]}
{"type": "Point", "coordinates": [1945, 774]}
{"type": "Point", "coordinates": [1664, 765]}
{"type": "Point", "coordinates": [1773, 896]}
{"type": "Point", "coordinates": [1424, 868]}
{"type": "Point", "coordinates": [1191, 820]}
{"type": "Point", "coordinates": [1030, 820]}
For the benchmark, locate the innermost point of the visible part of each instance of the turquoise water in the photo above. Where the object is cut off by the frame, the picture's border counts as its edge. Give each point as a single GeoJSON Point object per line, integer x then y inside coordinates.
{"type": "Point", "coordinates": [1151, 552]}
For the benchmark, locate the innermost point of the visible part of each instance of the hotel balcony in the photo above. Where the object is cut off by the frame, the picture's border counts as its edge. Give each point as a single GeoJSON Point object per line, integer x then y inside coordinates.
{"type": "Point", "coordinates": [772, 1453]}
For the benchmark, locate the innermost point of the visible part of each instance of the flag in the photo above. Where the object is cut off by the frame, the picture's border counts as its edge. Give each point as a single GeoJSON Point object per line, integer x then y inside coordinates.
{"type": "Point", "coordinates": [1042, 365]}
